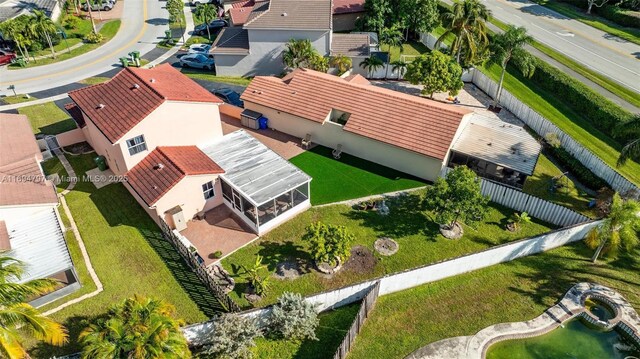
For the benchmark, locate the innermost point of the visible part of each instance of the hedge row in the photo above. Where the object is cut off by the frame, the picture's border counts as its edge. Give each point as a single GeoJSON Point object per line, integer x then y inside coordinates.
{"type": "Point", "coordinates": [598, 110]}
{"type": "Point", "coordinates": [614, 13]}
{"type": "Point", "coordinates": [582, 173]}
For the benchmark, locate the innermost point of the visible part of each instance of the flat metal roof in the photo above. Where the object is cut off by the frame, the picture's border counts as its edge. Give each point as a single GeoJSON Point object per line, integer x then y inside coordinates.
{"type": "Point", "coordinates": [252, 168]}
{"type": "Point", "coordinates": [38, 241]}
{"type": "Point", "coordinates": [499, 142]}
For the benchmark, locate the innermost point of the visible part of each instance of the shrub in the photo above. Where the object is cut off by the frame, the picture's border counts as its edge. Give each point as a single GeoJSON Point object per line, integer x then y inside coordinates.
{"type": "Point", "coordinates": [217, 254]}
{"type": "Point", "coordinates": [232, 337]}
{"type": "Point", "coordinates": [71, 22]}
{"type": "Point", "coordinates": [293, 318]}
{"type": "Point", "coordinates": [259, 283]}
{"type": "Point", "coordinates": [329, 242]}
{"type": "Point", "coordinates": [582, 173]}
{"type": "Point", "coordinates": [93, 37]}
{"type": "Point", "coordinates": [620, 16]}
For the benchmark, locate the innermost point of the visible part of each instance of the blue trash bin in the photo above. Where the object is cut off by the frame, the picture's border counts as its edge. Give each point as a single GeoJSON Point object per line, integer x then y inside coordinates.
{"type": "Point", "coordinates": [262, 123]}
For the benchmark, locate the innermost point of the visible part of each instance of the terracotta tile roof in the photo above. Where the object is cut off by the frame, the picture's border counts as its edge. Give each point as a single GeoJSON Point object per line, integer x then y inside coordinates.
{"type": "Point", "coordinates": [231, 41]}
{"type": "Point", "coordinates": [350, 45]}
{"type": "Point", "coordinates": [406, 121]}
{"type": "Point", "coordinates": [246, 3]}
{"type": "Point", "coordinates": [21, 179]}
{"type": "Point", "coordinates": [5, 243]}
{"type": "Point", "coordinates": [239, 15]}
{"type": "Point", "coordinates": [357, 79]}
{"type": "Point", "coordinates": [291, 14]}
{"type": "Point", "coordinates": [164, 167]}
{"type": "Point", "coordinates": [119, 104]}
{"type": "Point", "coordinates": [347, 6]}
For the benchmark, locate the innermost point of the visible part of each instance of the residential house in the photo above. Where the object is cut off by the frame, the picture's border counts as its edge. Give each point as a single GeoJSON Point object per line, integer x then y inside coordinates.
{"type": "Point", "coordinates": [346, 13]}
{"type": "Point", "coordinates": [405, 132]}
{"type": "Point", "coordinates": [10, 9]}
{"type": "Point", "coordinates": [255, 44]}
{"type": "Point", "coordinates": [30, 226]}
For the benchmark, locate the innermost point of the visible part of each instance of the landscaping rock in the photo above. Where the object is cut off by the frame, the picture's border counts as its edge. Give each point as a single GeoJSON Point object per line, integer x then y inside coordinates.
{"type": "Point", "coordinates": [454, 232]}
{"type": "Point", "coordinates": [386, 246]}
{"type": "Point", "coordinates": [361, 260]}
{"type": "Point", "coordinates": [327, 268]}
{"type": "Point", "coordinates": [289, 269]}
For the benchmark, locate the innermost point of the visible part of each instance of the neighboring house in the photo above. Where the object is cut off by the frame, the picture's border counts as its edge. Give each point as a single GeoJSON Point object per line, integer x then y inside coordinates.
{"type": "Point", "coordinates": [346, 13]}
{"type": "Point", "coordinates": [30, 226]}
{"type": "Point", "coordinates": [405, 132]}
{"type": "Point", "coordinates": [10, 9]}
{"type": "Point", "coordinates": [355, 46]}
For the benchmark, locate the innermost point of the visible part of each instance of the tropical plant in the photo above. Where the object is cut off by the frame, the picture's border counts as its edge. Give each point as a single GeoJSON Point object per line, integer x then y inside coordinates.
{"type": "Point", "coordinates": [392, 37]}
{"type": "Point", "coordinates": [319, 63]}
{"type": "Point", "coordinates": [376, 13]}
{"type": "Point", "coordinates": [18, 319]}
{"type": "Point", "coordinates": [232, 337]}
{"type": "Point", "coordinates": [94, 37]}
{"type": "Point", "coordinates": [518, 220]}
{"type": "Point", "coordinates": [329, 243]}
{"type": "Point", "coordinates": [175, 9]}
{"type": "Point", "coordinates": [341, 62]}
{"type": "Point", "coordinates": [371, 64]}
{"type": "Point", "coordinates": [293, 318]}
{"type": "Point", "coordinates": [253, 275]}
{"type": "Point", "coordinates": [207, 13]}
{"type": "Point", "coordinates": [507, 46]}
{"type": "Point", "coordinates": [619, 230]}
{"type": "Point", "coordinates": [422, 16]}
{"type": "Point", "coordinates": [631, 151]}
{"type": "Point", "coordinates": [466, 20]}
{"type": "Point", "coordinates": [16, 30]}
{"type": "Point", "coordinates": [457, 198]}
{"type": "Point", "coordinates": [399, 66]}
{"type": "Point", "coordinates": [436, 72]}
{"type": "Point", "coordinates": [298, 53]}
{"type": "Point", "coordinates": [137, 328]}
{"type": "Point", "coordinates": [41, 24]}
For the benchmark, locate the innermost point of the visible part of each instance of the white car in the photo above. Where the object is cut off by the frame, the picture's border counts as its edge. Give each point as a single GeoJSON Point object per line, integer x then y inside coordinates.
{"type": "Point", "coordinates": [199, 49]}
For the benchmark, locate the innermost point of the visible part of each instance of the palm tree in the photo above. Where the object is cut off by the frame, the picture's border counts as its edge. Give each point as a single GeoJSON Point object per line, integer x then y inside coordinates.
{"type": "Point", "coordinates": [17, 318]}
{"type": "Point", "coordinates": [391, 37]}
{"type": "Point", "coordinates": [466, 21]}
{"type": "Point", "coordinates": [137, 328]}
{"type": "Point", "coordinates": [371, 64]}
{"type": "Point", "coordinates": [341, 62]}
{"type": "Point", "coordinates": [298, 53]}
{"type": "Point", "coordinates": [510, 45]}
{"type": "Point", "coordinates": [631, 151]}
{"type": "Point", "coordinates": [14, 28]}
{"type": "Point", "coordinates": [207, 13]}
{"type": "Point", "coordinates": [399, 66]}
{"type": "Point", "coordinates": [618, 230]}
{"type": "Point", "coordinates": [40, 23]}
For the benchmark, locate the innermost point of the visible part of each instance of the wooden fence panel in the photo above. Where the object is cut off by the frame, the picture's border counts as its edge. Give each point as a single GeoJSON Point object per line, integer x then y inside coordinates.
{"type": "Point", "coordinates": [365, 308]}
{"type": "Point", "coordinates": [542, 127]}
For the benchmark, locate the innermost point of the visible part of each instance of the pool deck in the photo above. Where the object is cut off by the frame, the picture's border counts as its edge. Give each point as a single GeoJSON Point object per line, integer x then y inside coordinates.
{"type": "Point", "coordinates": [571, 305]}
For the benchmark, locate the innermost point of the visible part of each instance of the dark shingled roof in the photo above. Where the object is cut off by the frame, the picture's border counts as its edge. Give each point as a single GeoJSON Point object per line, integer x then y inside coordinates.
{"type": "Point", "coordinates": [291, 14]}
{"type": "Point", "coordinates": [350, 45]}
{"type": "Point", "coordinates": [231, 41]}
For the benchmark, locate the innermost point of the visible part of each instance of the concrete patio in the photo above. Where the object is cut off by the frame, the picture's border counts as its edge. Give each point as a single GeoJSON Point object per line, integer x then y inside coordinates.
{"type": "Point", "coordinates": [219, 230]}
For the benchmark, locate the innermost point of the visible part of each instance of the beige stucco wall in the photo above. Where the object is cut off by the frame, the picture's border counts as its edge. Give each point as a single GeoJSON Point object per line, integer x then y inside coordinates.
{"type": "Point", "coordinates": [70, 137]}
{"type": "Point", "coordinates": [188, 195]}
{"type": "Point", "coordinates": [104, 147]}
{"type": "Point", "coordinates": [330, 135]}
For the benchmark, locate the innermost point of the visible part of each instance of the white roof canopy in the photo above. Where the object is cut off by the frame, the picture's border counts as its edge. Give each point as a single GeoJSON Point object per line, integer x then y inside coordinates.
{"type": "Point", "coordinates": [252, 168]}
{"type": "Point", "coordinates": [499, 142]}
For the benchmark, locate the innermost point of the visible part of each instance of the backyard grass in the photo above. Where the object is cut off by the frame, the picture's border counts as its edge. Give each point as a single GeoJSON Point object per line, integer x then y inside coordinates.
{"type": "Point", "coordinates": [129, 255]}
{"type": "Point", "coordinates": [10, 100]}
{"type": "Point", "coordinates": [210, 76]}
{"type": "Point", "coordinates": [94, 80]}
{"type": "Point", "coordinates": [48, 118]}
{"type": "Point", "coordinates": [350, 177]}
{"type": "Point", "coordinates": [553, 109]}
{"type": "Point", "coordinates": [519, 290]}
{"type": "Point", "coordinates": [418, 236]}
{"type": "Point", "coordinates": [540, 183]}
{"type": "Point", "coordinates": [410, 48]}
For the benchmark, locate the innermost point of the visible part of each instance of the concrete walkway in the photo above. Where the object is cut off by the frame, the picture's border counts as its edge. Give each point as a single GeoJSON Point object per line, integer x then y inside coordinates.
{"type": "Point", "coordinates": [188, 30]}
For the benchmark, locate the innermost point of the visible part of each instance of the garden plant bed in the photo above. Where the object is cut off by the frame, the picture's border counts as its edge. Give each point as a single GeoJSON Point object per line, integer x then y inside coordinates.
{"type": "Point", "coordinates": [418, 237]}
{"type": "Point", "coordinates": [386, 246]}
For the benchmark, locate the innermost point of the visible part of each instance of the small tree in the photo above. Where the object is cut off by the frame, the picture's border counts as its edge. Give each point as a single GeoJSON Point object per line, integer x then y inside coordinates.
{"type": "Point", "coordinates": [293, 318]}
{"type": "Point", "coordinates": [232, 337]}
{"type": "Point", "coordinates": [298, 53]}
{"type": "Point", "coordinates": [341, 62]}
{"type": "Point", "coordinates": [518, 220]}
{"type": "Point", "coordinates": [253, 275]}
{"type": "Point", "coordinates": [592, 3]}
{"type": "Point", "coordinates": [618, 230]}
{"type": "Point", "coordinates": [318, 62]}
{"type": "Point", "coordinates": [391, 37]}
{"type": "Point", "coordinates": [399, 66]}
{"type": "Point", "coordinates": [436, 72]}
{"type": "Point", "coordinates": [371, 64]}
{"type": "Point", "coordinates": [328, 242]}
{"type": "Point", "coordinates": [207, 13]}
{"type": "Point", "coordinates": [631, 151]}
{"type": "Point", "coordinates": [457, 198]}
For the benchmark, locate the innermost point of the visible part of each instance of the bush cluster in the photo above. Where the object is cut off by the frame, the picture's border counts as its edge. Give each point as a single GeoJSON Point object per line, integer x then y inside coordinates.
{"type": "Point", "coordinates": [94, 37]}
{"type": "Point", "coordinates": [582, 173]}
{"type": "Point", "coordinates": [614, 13]}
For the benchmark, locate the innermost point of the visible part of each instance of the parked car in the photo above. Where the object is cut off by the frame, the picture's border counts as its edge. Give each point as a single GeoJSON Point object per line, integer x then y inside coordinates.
{"type": "Point", "coordinates": [214, 26]}
{"type": "Point", "coordinates": [104, 5]}
{"type": "Point", "coordinates": [198, 61]}
{"type": "Point", "coordinates": [229, 96]}
{"type": "Point", "coordinates": [6, 57]}
{"type": "Point", "coordinates": [199, 49]}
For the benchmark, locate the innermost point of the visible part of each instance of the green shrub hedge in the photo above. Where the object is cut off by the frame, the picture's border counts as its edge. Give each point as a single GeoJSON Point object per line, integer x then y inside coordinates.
{"type": "Point", "coordinates": [582, 173]}
{"type": "Point", "coordinates": [614, 13]}
{"type": "Point", "coordinates": [602, 113]}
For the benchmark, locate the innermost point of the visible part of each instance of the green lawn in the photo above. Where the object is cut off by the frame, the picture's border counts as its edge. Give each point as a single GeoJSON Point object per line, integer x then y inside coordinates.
{"type": "Point", "coordinates": [48, 118]}
{"type": "Point", "coordinates": [94, 80]}
{"type": "Point", "coordinates": [411, 48]}
{"type": "Point", "coordinates": [210, 76]}
{"type": "Point", "coordinates": [553, 109]}
{"type": "Point", "coordinates": [129, 255]}
{"type": "Point", "coordinates": [462, 305]}
{"type": "Point", "coordinates": [350, 177]}
{"type": "Point", "coordinates": [418, 236]}
{"type": "Point", "coordinates": [10, 100]}
{"type": "Point", "coordinates": [540, 182]}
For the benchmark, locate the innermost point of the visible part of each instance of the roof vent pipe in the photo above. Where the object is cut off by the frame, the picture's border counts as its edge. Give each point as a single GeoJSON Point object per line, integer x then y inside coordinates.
{"type": "Point", "coordinates": [284, 14]}
{"type": "Point", "coordinates": [152, 80]}
{"type": "Point", "coordinates": [136, 86]}
{"type": "Point", "coordinates": [159, 166]}
{"type": "Point", "coordinates": [100, 105]}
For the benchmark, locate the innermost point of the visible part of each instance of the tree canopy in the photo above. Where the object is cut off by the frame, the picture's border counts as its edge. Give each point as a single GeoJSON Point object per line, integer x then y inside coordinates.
{"type": "Point", "coordinates": [436, 72]}
{"type": "Point", "coordinates": [466, 20]}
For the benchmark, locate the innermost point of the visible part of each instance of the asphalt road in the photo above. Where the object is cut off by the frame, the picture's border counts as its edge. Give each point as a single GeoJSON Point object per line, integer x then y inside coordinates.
{"type": "Point", "coordinates": [143, 26]}
{"type": "Point", "coordinates": [609, 55]}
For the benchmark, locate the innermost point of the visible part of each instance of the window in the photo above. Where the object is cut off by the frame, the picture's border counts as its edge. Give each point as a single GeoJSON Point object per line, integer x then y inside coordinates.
{"type": "Point", "coordinates": [136, 145]}
{"type": "Point", "coordinates": [207, 190]}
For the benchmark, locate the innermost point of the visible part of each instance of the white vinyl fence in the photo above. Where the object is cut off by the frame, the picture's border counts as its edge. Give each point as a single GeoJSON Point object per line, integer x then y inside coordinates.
{"type": "Point", "coordinates": [523, 202]}
{"type": "Point", "coordinates": [197, 334]}
{"type": "Point", "coordinates": [542, 126]}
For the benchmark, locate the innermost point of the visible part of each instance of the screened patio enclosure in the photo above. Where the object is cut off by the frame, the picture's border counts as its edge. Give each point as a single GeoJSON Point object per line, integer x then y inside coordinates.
{"type": "Point", "coordinates": [261, 187]}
